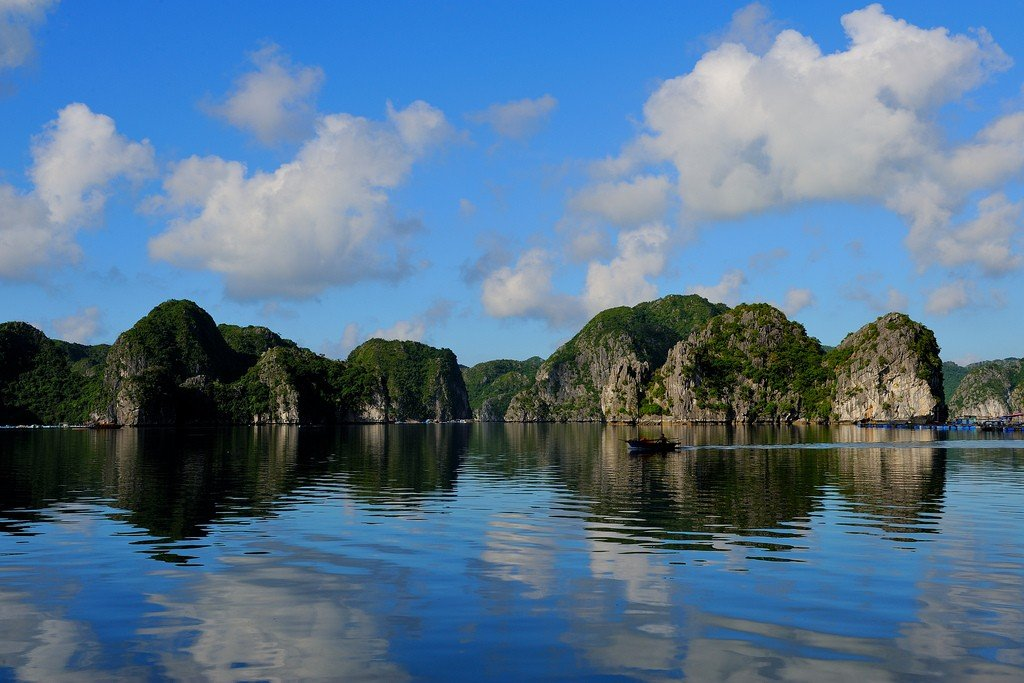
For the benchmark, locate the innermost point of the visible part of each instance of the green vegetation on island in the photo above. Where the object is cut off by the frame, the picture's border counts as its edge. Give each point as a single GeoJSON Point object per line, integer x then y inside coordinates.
{"type": "Point", "coordinates": [681, 357]}
{"type": "Point", "coordinates": [493, 384]}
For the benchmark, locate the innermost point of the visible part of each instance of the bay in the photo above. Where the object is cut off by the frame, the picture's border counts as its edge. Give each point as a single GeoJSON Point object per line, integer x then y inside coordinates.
{"type": "Point", "coordinates": [510, 552]}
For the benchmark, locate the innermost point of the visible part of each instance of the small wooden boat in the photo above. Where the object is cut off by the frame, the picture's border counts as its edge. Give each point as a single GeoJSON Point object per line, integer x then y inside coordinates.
{"type": "Point", "coordinates": [645, 445]}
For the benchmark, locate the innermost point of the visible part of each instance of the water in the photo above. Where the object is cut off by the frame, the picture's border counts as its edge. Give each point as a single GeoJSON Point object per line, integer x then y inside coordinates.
{"type": "Point", "coordinates": [510, 552]}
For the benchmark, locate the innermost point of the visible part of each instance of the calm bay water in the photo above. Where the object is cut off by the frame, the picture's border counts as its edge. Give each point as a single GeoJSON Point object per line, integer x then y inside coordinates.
{"type": "Point", "coordinates": [510, 552]}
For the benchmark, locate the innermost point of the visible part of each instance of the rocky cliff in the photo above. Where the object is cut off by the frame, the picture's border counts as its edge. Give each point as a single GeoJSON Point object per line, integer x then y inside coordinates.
{"type": "Point", "coordinates": [888, 370]}
{"type": "Point", "coordinates": [750, 364]}
{"type": "Point", "coordinates": [493, 384]}
{"type": "Point", "coordinates": [405, 380]}
{"type": "Point", "coordinates": [159, 372]}
{"type": "Point", "coordinates": [990, 389]}
{"type": "Point", "coordinates": [599, 374]}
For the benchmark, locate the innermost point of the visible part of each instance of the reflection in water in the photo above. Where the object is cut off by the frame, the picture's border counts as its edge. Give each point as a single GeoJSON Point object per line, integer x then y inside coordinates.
{"type": "Point", "coordinates": [522, 551]}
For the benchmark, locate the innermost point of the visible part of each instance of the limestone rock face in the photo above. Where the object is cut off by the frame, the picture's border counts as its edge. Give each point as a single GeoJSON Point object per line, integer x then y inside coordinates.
{"type": "Point", "coordinates": [888, 370]}
{"type": "Point", "coordinates": [148, 364]}
{"type": "Point", "coordinates": [990, 389]}
{"type": "Point", "coordinates": [751, 364]}
{"type": "Point", "coordinates": [595, 376]}
{"type": "Point", "coordinates": [282, 405]}
{"type": "Point", "coordinates": [406, 381]}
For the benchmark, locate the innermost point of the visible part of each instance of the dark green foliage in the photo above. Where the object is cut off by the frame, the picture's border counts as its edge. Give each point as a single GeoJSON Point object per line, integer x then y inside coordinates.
{"type": "Point", "coordinates": [496, 382]}
{"type": "Point", "coordinates": [251, 341]}
{"type": "Point", "coordinates": [411, 379]}
{"type": "Point", "coordinates": [755, 355]}
{"type": "Point", "coordinates": [998, 380]}
{"type": "Point", "coordinates": [653, 326]}
{"type": "Point", "coordinates": [40, 383]}
{"type": "Point", "coordinates": [317, 381]}
{"type": "Point", "coordinates": [181, 340]}
{"type": "Point", "coordinates": [952, 375]}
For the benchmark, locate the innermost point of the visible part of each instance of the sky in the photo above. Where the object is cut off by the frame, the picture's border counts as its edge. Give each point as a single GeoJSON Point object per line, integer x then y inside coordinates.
{"type": "Point", "coordinates": [488, 176]}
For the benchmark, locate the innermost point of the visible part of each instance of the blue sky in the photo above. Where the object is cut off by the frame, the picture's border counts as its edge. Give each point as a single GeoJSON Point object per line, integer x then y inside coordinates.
{"type": "Point", "coordinates": [487, 176]}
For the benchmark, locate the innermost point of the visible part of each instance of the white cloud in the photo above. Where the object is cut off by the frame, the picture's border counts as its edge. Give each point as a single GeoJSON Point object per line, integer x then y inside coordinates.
{"type": "Point", "coordinates": [951, 297]}
{"type": "Point", "coordinates": [80, 327]}
{"type": "Point", "coordinates": [28, 240]}
{"type": "Point", "coordinates": [587, 243]}
{"type": "Point", "coordinates": [17, 19]}
{"type": "Point", "coordinates": [351, 337]}
{"type": "Point", "coordinates": [892, 300]}
{"type": "Point", "coordinates": [525, 291]}
{"type": "Point", "coordinates": [416, 329]}
{"type": "Point", "coordinates": [517, 120]}
{"type": "Point", "coordinates": [960, 294]}
{"type": "Point", "coordinates": [752, 27]}
{"type": "Point", "coordinates": [624, 281]}
{"type": "Point", "coordinates": [276, 101]}
{"type": "Point", "coordinates": [986, 240]}
{"type": "Point", "coordinates": [747, 132]}
{"type": "Point", "coordinates": [797, 300]}
{"type": "Point", "coordinates": [320, 220]}
{"type": "Point", "coordinates": [403, 330]}
{"type": "Point", "coordinates": [467, 209]}
{"type": "Point", "coordinates": [640, 200]}
{"type": "Point", "coordinates": [726, 291]}
{"type": "Point", "coordinates": [77, 157]}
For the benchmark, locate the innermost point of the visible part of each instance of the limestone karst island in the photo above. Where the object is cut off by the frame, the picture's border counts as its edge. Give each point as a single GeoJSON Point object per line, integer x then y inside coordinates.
{"type": "Point", "coordinates": [678, 359]}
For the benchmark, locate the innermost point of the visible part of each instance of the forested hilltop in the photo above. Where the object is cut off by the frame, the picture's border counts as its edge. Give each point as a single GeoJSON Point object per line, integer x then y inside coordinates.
{"type": "Point", "coordinates": [678, 358]}
{"type": "Point", "coordinates": [176, 366]}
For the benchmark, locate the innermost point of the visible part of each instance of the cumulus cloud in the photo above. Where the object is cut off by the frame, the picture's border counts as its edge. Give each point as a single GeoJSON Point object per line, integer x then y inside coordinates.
{"type": "Point", "coordinates": [951, 297]}
{"type": "Point", "coordinates": [80, 327]}
{"type": "Point", "coordinates": [320, 220]}
{"type": "Point", "coordinates": [986, 240]}
{"type": "Point", "coordinates": [727, 290]}
{"type": "Point", "coordinates": [525, 290]}
{"type": "Point", "coordinates": [625, 280]}
{"type": "Point", "coordinates": [891, 300]}
{"type": "Point", "coordinates": [633, 202]}
{"type": "Point", "coordinates": [751, 26]}
{"type": "Point", "coordinates": [747, 132]}
{"type": "Point", "coordinates": [517, 120]}
{"type": "Point", "coordinates": [75, 160]}
{"type": "Point", "coordinates": [417, 329]}
{"type": "Point", "coordinates": [797, 300]}
{"type": "Point", "coordinates": [275, 102]}
{"type": "Point", "coordinates": [18, 18]}
{"type": "Point", "coordinates": [29, 240]}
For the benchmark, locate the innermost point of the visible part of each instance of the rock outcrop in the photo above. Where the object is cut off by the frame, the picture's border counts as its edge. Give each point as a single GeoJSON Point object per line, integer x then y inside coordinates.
{"type": "Point", "coordinates": [157, 372]}
{"type": "Point", "coordinates": [750, 364]}
{"type": "Point", "coordinates": [598, 374]}
{"type": "Point", "coordinates": [990, 389]}
{"type": "Point", "coordinates": [405, 381]}
{"type": "Point", "coordinates": [493, 384]}
{"type": "Point", "coordinates": [888, 370]}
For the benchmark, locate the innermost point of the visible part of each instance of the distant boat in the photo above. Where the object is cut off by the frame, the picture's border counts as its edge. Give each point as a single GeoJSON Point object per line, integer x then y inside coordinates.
{"type": "Point", "coordinates": [645, 445]}
{"type": "Point", "coordinates": [103, 424]}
